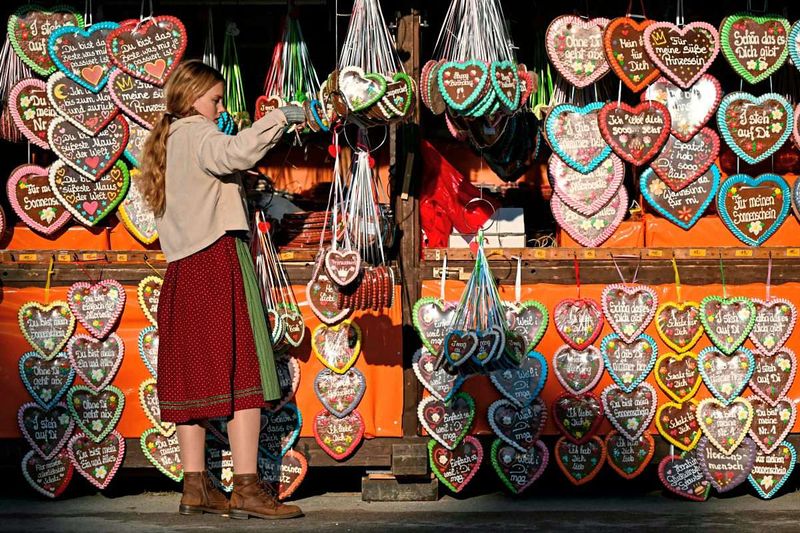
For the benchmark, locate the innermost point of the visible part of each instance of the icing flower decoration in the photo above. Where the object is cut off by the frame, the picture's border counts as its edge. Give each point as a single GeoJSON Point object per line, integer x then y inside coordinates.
{"type": "Point", "coordinates": [632, 424]}
{"type": "Point", "coordinates": [46, 395]}
{"type": "Point", "coordinates": [657, 188]}
{"type": "Point", "coordinates": [25, 101]}
{"type": "Point", "coordinates": [776, 127]}
{"type": "Point", "coordinates": [63, 419]}
{"type": "Point", "coordinates": [785, 415]}
{"type": "Point", "coordinates": [767, 482]}
{"type": "Point", "coordinates": [100, 472]}
{"type": "Point", "coordinates": [742, 415]}
{"type": "Point", "coordinates": [97, 425]}
{"type": "Point", "coordinates": [29, 114]}
{"type": "Point", "coordinates": [784, 364]}
{"type": "Point", "coordinates": [227, 474]}
{"type": "Point", "coordinates": [48, 214]}
{"type": "Point", "coordinates": [776, 114]}
{"type": "Point", "coordinates": [97, 374]}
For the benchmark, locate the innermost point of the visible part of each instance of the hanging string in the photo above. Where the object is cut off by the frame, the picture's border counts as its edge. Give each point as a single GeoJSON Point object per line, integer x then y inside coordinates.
{"type": "Point", "coordinates": [518, 282]}
{"type": "Point", "coordinates": [141, 11]}
{"type": "Point", "coordinates": [677, 280]}
{"type": "Point", "coordinates": [49, 277]}
{"type": "Point", "coordinates": [88, 17]}
{"type": "Point", "coordinates": [722, 275]}
{"type": "Point", "coordinates": [209, 49]}
{"type": "Point", "coordinates": [577, 275]}
{"type": "Point", "coordinates": [769, 276]}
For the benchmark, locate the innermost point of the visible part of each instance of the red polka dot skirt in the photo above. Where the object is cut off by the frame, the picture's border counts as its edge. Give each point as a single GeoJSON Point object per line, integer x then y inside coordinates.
{"type": "Point", "coordinates": [207, 362]}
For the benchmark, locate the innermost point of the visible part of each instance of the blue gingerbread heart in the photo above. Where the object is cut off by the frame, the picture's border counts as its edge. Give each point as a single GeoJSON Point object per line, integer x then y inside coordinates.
{"type": "Point", "coordinates": [628, 364]}
{"type": "Point", "coordinates": [673, 205]}
{"type": "Point", "coordinates": [279, 430]}
{"type": "Point", "coordinates": [772, 488]}
{"type": "Point", "coordinates": [87, 64]}
{"type": "Point", "coordinates": [726, 378]}
{"type": "Point", "coordinates": [753, 208]}
{"type": "Point", "coordinates": [755, 127]}
{"type": "Point", "coordinates": [585, 149]}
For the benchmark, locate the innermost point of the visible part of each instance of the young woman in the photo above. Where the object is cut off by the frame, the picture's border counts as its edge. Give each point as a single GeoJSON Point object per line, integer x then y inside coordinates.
{"type": "Point", "coordinates": [214, 358]}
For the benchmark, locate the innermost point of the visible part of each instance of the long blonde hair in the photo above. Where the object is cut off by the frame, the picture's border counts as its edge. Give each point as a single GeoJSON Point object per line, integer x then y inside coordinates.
{"type": "Point", "coordinates": [189, 82]}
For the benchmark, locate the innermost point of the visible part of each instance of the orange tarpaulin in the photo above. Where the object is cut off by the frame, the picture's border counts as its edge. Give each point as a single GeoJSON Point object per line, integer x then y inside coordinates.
{"type": "Point", "coordinates": [380, 362]}
{"type": "Point", "coordinates": [484, 392]}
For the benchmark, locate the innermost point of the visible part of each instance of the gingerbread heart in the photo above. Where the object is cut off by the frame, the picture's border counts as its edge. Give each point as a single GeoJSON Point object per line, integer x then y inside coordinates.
{"type": "Point", "coordinates": [49, 477]}
{"type": "Point", "coordinates": [163, 452]}
{"type": "Point", "coordinates": [88, 200]}
{"type": "Point", "coordinates": [90, 112]}
{"type": "Point", "coordinates": [360, 90]}
{"type": "Point", "coordinates": [505, 81]}
{"type": "Point", "coordinates": [148, 399]}
{"type": "Point", "coordinates": [459, 346]}
{"type": "Point", "coordinates": [577, 417]}
{"type": "Point", "coordinates": [682, 54]}
{"type": "Point", "coordinates": [33, 200]}
{"type": "Point", "coordinates": [518, 426]}
{"type": "Point", "coordinates": [46, 327]}
{"type": "Point", "coordinates": [630, 412]}
{"type": "Point", "coordinates": [726, 376]}
{"type": "Point", "coordinates": [636, 134]}
{"type": "Point", "coordinates": [294, 325]}
{"type": "Point", "coordinates": [140, 100]}
{"type": "Point", "coordinates": [137, 137]}
{"type": "Point", "coordinates": [773, 374]}
{"type": "Point", "coordinates": [432, 318]}
{"type": "Point", "coordinates": [462, 84]}
{"type": "Point", "coordinates": [726, 471]}
{"type": "Point", "coordinates": [727, 321]}
{"type": "Point", "coordinates": [323, 298]}
{"type": "Point", "coordinates": [528, 319]}
{"type": "Point", "coordinates": [591, 231]}
{"type": "Point", "coordinates": [578, 371]}
{"type": "Point", "coordinates": [678, 375]}
{"type": "Point", "coordinates": [98, 462]}
{"type": "Point", "coordinates": [521, 385]}
{"type": "Point", "coordinates": [681, 163]}
{"type": "Point", "coordinates": [31, 111]}
{"type": "Point", "coordinates": [586, 193]}
{"type": "Point", "coordinates": [219, 462]}
{"type": "Point", "coordinates": [96, 361]}
{"type": "Point", "coordinates": [519, 470]}
{"type": "Point", "coordinates": [46, 380]}
{"type": "Point", "coordinates": [455, 468]}
{"type": "Point", "coordinates": [685, 207]}
{"type": "Point", "coordinates": [96, 413]}
{"type": "Point", "coordinates": [629, 363]}
{"type": "Point", "coordinates": [337, 347]}
{"type": "Point", "coordinates": [575, 48]}
{"type": "Point", "coordinates": [725, 426]}
{"type": "Point", "coordinates": [677, 423]}
{"type": "Point", "coordinates": [340, 393]}
{"type": "Point", "coordinates": [288, 370]}
{"type": "Point", "coordinates": [794, 44]}
{"type": "Point", "coordinates": [279, 430]}
{"type": "Point", "coordinates": [266, 104]}
{"type": "Point", "coordinates": [623, 42]}
{"type": "Point", "coordinates": [399, 97]}
{"type": "Point", "coordinates": [45, 430]}
{"type": "Point", "coordinates": [678, 324]}
{"type": "Point", "coordinates": [439, 383]}
{"type": "Point", "coordinates": [148, 349]}
{"type": "Point", "coordinates": [343, 267]}
{"type": "Point", "coordinates": [491, 343]}
{"type": "Point", "coordinates": [91, 156]}
{"type": "Point", "coordinates": [148, 293]}
{"type": "Point", "coordinates": [338, 437]}
{"type": "Point", "coordinates": [578, 321]}
{"type": "Point", "coordinates": [629, 458]}
{"type": "Point", "coordinates": [286, 474]}
{"type": "Point", "coordinates": [775, 320]}
{"type": "Point", "coordinates": [580, 462]}
{"type": "Point", "coordinates": [148, 49]}
{"type": "Point", "coordinates": [81, 54]}
{"type": "Point", "coordinates": [29, 29]}
{"type": "Point", "coordinates": [574, 135]}
{"type": "Point", "coordinates": [629, 309]}
{"type": "Point", "coordinates": [755, 46]}
{"type": "Point", "coordinates": [447, 423]}
{"type": "Point", "coordinates": [135, 214]}
{"type": "Point", "coordinates": [755, 127]}
{"type": "Point", "coordinates": [771, 423]}
{"type": "Point", "coordinates": [683, 475]}
{"type": "Point", "coordinates": [689, 108]}
{"type": "Point", "coordinates": [770, 471]}
{"type": "Point", "coordinates": [97, 306]}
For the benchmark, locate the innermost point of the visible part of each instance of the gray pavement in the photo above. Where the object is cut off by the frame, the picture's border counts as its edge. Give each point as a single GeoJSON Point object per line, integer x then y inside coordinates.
{"type": "Point", "coordinates": [156, 512]}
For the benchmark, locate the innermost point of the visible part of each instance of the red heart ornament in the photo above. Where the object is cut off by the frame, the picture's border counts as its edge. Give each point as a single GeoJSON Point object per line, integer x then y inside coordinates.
{"type": "Point", "coordinates": [580, 462]}
{"type": "Point", "coordinates": [49, 477]}
{"type": "Point", "coordinates": [455, 468]}
{"type": "Point", "coordinates": [148, 49]}
{"type": "Point", "coordinates": [577, 417]}
{"type": "Point", "coordinates": [681, 163]}
{"type": "Point", "coordinates": [629, 458]}
{"type": "Point", "coordinates": [338, 437]}
{"type": "Point", "coordinates": [636, 134]}
{"type": "Point", "coordinates": [578, 321]}
{"type": "Point", "coordinates": [29, 29]}
{"type": "Point", "coordinates": [88, 111]}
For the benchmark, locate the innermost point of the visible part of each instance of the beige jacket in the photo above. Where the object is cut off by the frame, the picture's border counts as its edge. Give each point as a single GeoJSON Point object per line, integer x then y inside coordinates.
{"type": "Point", "coordinates": [204, 196]}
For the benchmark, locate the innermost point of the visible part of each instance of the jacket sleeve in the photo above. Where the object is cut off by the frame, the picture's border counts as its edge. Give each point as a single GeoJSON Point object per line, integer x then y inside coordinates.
{"type": "Point", "coordinates": [220, 154]}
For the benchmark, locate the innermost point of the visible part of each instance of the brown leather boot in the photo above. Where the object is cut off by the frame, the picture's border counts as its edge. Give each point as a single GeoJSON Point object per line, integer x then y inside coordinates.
{"type": "Point", "coordinates": [201, 496]}
{"type": "Point", "coordinates": [251, 498]}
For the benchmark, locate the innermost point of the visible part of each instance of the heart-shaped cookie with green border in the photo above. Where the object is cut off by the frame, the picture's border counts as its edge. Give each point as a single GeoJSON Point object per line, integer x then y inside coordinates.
{"type": "Point", "coordinates": [727, 321]}
{"type": "Point", "coordinates": [755, 46]}
{"type": "Point", "coordinates": [96, 413]}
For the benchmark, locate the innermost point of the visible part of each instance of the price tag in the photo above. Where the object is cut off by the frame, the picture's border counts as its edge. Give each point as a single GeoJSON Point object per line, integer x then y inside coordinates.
{"type": "Point", "coordinates": [64, 258]}
{"type": "Point", "coordinates": [793, 252]}
{"type": "Point", "coordinates": [27, 257]}
{"type": "Point", "coordinates": [287, 256]}
{"type": "Point", "coordinates": [160, 257]}
{"type": "Point", "coordinates": [697, 252]}
{"type": "Point", "coordinates": [90, 257]}
{"type": "Point", "coordinates": [122, 258]}
{"type": "Point", "coordinates": [743, 253]}
{"type": "Point", "coordinates": [539, 254]}
{"type": "Point", "coordinates": [655, 253]}
{"type": "Point", "coordinates": [589, 254]}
